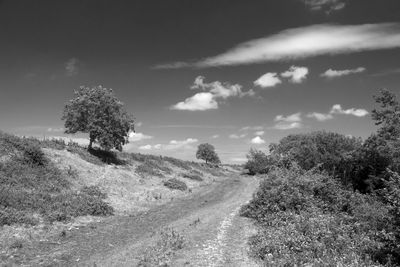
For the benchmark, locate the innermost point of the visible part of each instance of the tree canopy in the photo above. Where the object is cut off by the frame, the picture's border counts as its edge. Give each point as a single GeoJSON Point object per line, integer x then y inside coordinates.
{"type": "Point", "coordinates": [207, 152]}
{"type": "Point", "coordinates": [99, 113]}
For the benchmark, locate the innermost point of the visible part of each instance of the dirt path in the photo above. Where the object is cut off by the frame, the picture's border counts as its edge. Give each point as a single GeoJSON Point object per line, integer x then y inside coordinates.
{"type": "Point", "coordinates": [215, 234]}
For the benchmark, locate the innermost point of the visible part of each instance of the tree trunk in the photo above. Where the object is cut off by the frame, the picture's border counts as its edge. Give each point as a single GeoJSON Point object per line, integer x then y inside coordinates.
{"type": "Point", "coordinates": [91, 140]}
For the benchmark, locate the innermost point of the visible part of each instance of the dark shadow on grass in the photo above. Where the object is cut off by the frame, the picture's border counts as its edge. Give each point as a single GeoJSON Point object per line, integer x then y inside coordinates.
{"type": "Point", "coordinates": [107, 157]}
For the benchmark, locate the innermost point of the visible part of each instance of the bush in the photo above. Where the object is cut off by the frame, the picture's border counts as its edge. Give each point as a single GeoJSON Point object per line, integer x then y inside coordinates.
{"type": "Point", "coordinates": [309, 218]}
{"type": "Point", "coordinates": [192, 176]}
{"type": "Point", "coordinates": [176, 184]}
{"type": "Point", "coordinates": [257, 162]}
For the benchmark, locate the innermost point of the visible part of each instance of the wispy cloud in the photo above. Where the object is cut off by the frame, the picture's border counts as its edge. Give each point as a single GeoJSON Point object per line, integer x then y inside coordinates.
{"type": "Point", "coordinates": [320, 116]}
{"type": "Point", "coordinates": [304, 42]}
{"type": "Point", "coordinates": [330, 73]}
{"type": "Point", "coordinates": [215, 91]}
{"type": "Point", "coordinates": [327, 5]}
{"type": "Point", "coordinates": [56, 130]}
{"type": "Point", "coordinates": [269, 79]}
{"type": "Point", "coordinates": [215, 136]}
{"type": "Point", "coordinates": [172, 145]}
{"type": "Point", "coordinates": [257, 140]}
{"type": "Point", "coordinates": [255, 128]}
{"type": "Point", "coordinates": [296, 74]}
{"type": "Point", "coordinates": [259, 133]}
{"type": "Point", "coordinates": [237, 136]}
{"type": "Point", "coordinates": [292, 121]}
{"type": "Point", "coordinates": [72, 67]}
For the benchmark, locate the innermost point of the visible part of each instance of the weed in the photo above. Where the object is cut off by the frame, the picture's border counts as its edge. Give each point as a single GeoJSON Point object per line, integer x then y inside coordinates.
{"type": "Point", "coordinates": [162, 252]}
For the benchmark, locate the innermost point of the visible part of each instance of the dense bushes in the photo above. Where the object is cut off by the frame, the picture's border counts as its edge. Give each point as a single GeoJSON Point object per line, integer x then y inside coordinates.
{"type": "Point", "coordinates": [308, 218]}
{"type": "Point", "coordinates": [176, 184]}
{"type": "Point", "coordinates": [32, 188]}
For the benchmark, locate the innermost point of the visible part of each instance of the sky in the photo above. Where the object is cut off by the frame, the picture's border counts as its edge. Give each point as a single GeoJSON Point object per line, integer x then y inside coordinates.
{"type": "Point", "coordinates": [235, 74]}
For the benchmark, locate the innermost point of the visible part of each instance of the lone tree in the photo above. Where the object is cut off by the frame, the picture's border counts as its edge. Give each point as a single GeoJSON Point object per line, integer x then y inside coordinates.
{"type": "Point", "coordinates": [99, 113]}
{"type": "Point", "coordinates": [207, 152]}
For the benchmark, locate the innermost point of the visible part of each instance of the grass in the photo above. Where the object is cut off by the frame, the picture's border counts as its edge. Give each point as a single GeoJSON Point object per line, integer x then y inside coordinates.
{"type": "Point", "coordinates": [309, 219]}
{"type": "Point", "coordinates": [193, 176]}
{"type": "Point", "coordinates": [169, 242]}
{"type": "Point", "coordinates": [153, 167]}
{"type": "Point", "coordinates": [175, 184]}
{"type": "Point", "coordinates": [33, 189]}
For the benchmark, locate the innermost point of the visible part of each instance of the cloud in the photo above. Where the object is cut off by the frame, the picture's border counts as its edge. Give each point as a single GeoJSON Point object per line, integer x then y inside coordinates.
{"type": "Point", "coordinates": [57, 130]}
{"type": "Point", "coordinates": [255, 128]}
{"type": "Point", "coordinates": [296, 117]}
{"type": "Point", "coordinates": [172, 145]}
{"type": "Point", "coordinates": [320, 116]}
{"type": "Point", "coordinates": [200, 101]}
{"type": "Point", "coordinates": [304, 42]}
{"type": "Point", "coordinates": [327, 5]}
{"type": "Point", "coordinates": [136, 137]}
{"type": "Point", "coordinates": [292, 121]}
{"type": "Point", "coordinates": [269, 79]}
{"type": "Point", "coordinates": [215, 136]}
{"type": "Point", "coordinates": [216, 91]}
{"type": "Point", "coordinates": [235, 136]}
{"type": "Point", "coordinates": [259, 133]}
{"type": "Point", "coordinates": [337, 109]}
{"type": "Point", "coordinates": [72, 67]}
{"type": "Point", "coordinates": [145, 147]}
{"type": "Point", "coordinates": [257, 140]}
{"type": "Point", "coordinates": [296, 74]}
{"type": "Point", "coordinates": [330, 73]}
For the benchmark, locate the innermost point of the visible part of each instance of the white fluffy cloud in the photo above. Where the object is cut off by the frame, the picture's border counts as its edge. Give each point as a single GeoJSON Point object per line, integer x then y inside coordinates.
{"type": "Point", "coordinates": [269, 79]}
{"type": "Point", "coordinates": [304, 42]}
{"type": "Point", "coordinates": [330, 73]}
{"type": "Point", "coordinates": [292, 121]}
{"type": "Point", "coordinates": [215, 91]}
{"type": "Point", "coordinates": [257, 140]}
{"type": "Point", "coordinates": [296, 74]}
{"type": "Point", "coordinates": [72, 67]}
{"type": "Point", "coordinates": [136, 137]}
{"type": "Point", "coordinates": [145, 147]}
{"type": "Point", "coordinates": [320, 116]}
{"type": "Point", "coordinates": [259, 133]}
{"type": "Point", "coordinates": [200, 101]}
{"type": "Point", "coordinates": [215, 136]}
{"type": "Point", "coordinates": [337, 109]}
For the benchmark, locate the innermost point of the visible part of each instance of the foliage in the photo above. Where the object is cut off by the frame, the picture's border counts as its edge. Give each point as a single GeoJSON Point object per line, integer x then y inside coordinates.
{"type": "Point", "coordinates": [257, 162]}
{"type": "Point", "coordinates": [207, 152]}
{"type": "Point", "coordinates": [178, 163]}
{"type": "Point", "coordinates": [176, 184]}
{"type": "Point", "coordinates": [308, 218]}
{"type": "Point", "coordinates": [99, 113]}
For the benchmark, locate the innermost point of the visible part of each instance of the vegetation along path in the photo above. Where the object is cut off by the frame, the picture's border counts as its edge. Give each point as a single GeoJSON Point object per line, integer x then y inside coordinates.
{"type": "Point", "coordinates": [213, 233]}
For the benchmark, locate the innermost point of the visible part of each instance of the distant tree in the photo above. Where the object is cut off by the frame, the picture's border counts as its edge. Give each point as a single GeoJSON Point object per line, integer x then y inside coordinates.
{"type": "Point", "coordinates": [207, 152]}
{"type": "Point", "coordinates": [99, 113]}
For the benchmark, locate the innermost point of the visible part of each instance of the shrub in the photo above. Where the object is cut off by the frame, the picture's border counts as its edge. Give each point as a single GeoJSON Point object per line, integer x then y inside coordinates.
{"type": "Point", "coordinates": [257, 162]}
{"type": "Point", "coordinates": [309, 218]}
{"type": "Point", "coordinates": [176, 184]}
{"type": "Point", "coordinates": [192, 176]}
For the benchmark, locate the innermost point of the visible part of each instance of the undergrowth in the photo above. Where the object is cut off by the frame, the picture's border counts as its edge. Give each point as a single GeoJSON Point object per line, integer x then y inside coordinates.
{"type": "Point", "coordinates": [309, 219]}
{"type": "Point", "coordinates": [192, 176]}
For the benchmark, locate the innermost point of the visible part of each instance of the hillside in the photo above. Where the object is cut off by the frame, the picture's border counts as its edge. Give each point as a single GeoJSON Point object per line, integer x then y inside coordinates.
{"type": "Point", "coordinates": [49, 187]}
